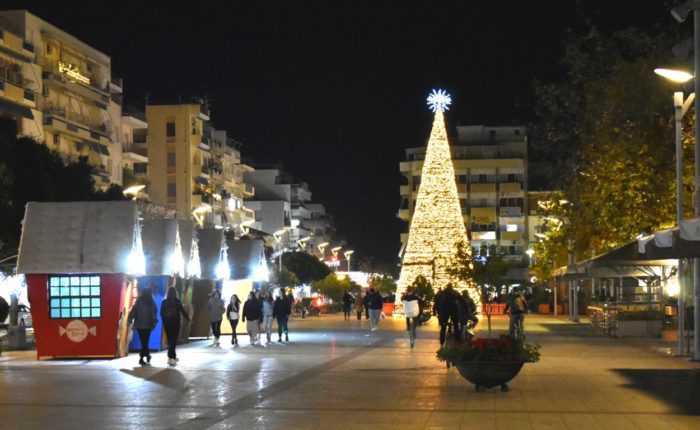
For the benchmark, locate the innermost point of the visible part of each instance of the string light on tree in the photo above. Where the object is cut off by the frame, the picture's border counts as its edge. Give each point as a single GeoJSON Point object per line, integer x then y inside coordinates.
{"type": "Point", "coordinates": [437, 224]}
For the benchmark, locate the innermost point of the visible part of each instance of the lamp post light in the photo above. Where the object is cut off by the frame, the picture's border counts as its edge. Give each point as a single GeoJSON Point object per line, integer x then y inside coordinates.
{"type": "Point", "coordinates": [348, 254]}
{"type": "Point", "coordinates": [680, 13]}
{"type": "Point", "coordinates": [321, 248]}
{"type": "Point", "coordinates": [134, 191]}
{"type": "Point", "coordinates": [278, 237]}
{"type": "Point", "coordinates": [302, 241]}
{"type": "Point", "coordinates": [681, 107]}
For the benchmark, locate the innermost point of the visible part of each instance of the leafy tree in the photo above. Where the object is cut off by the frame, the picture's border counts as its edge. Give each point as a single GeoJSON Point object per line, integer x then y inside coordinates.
{"type": "Point", "coordinates": [29, 171]}
{"type": "Point", "coordinates": [333, 287]}
{"type": "Point", "coordinates": [384, 284]}
{"type": "Point", "coordinates": [423, 288]}
{"type": "Point", "coordinates": [305, 266]}
{"type": "Point", "coordinates": [487, 272]}
{"type": "Point", "coordinates": [607, 131]}
{"type": "Point", "coordinates": [286, 278]}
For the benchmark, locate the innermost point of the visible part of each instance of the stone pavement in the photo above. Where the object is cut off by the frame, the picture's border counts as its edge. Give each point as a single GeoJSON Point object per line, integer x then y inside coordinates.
{"type": "Point", "coordinates": [335, 374]}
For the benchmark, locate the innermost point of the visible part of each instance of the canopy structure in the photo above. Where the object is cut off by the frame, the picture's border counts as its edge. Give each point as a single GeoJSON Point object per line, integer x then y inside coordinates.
{"type": "Point", "coordinates": [210, 242]}
{"type": "Point", "coordinates": [245, 258]}
{"type": "Point", "coordinates": [159, 245]}
{"type": "Point", "coordinates": [77, 237]}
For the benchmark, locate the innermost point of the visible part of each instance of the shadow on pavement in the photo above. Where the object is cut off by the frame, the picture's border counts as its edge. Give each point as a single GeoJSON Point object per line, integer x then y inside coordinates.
{"type": "Point", "coordinates": [167, 377]}
{"type": "Point", "coordinates": [679, 389]}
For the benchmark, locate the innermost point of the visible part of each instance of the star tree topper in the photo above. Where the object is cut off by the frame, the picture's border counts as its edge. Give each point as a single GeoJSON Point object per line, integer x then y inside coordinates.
{"type": "Point", "coordinates": [439, 100]}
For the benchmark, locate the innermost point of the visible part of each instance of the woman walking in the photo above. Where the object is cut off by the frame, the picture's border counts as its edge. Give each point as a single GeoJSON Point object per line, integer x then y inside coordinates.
{"type": "Point", "coordinates": [252, 313]}
{"type": "Point", "coordinates": [216, 311]}
{"type": "Point", "coordinates": [144, 316]}
{"type": "Point", "coordinates": [411, 309]}
{"type": "Point", "coordinates": [232, 313]}
{"type": "Point", "coordinates": [359, 305]}
{"type": "Point", "coordinates": [170, 311]}
{"type": "Point", "coordinates": [268, 314]}
{"type": "Point", "coordinates": [281, 311]}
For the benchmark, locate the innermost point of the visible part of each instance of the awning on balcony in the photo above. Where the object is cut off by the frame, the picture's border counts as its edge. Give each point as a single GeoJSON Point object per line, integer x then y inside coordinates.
{"type": "Point", "coordinates": [16, 109]}
{"type": "Point", "coordinates": [97, 147]}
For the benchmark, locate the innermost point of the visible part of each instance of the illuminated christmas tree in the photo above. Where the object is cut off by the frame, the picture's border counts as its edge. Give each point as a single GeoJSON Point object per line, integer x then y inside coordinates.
{"type": "Point", "coordinates": [437, 225]}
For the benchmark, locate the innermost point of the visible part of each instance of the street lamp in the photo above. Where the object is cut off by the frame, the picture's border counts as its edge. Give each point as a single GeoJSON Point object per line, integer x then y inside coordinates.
{"type": "Point", "coordinates": [680, 13]}
{"type": "Point", "coordinates": [134, 191]}
{"type": "Point", "coordinates": [302, 241]}
{"type": "Point", "coordinates": [335, 250]}
{"type": "Point", "coordinates": [681, 108]}
{"type": "Point", "coordinates": [278, 236]}
{"type": "Point", "coordinates": [348, 254]}
{"type": "Point", "coordinates": [199, 212]}
{"type": "Point", "coordinates": [321, 248]}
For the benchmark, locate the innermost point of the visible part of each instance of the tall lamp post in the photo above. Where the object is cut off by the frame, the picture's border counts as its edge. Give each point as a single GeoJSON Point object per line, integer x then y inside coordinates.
{"type": "Point", "coordinates": [321, 249]}
{"type": "Point", "coordinates": [348, 254]}
{"type": "Point", "coordinates": [335, 256]}
{"type": "Point", "coordinates": [681, 108]}
{"type": "Point", "coordinates": [278, 236]}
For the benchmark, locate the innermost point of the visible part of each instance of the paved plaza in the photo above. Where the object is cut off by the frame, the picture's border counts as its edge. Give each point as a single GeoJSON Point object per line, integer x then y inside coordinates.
{"type": "Point", "coordinates": [335, 375]}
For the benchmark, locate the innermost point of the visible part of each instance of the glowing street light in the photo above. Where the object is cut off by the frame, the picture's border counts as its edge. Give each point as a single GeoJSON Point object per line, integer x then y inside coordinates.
{"type": "Point", "coordinates": [322, 247]}
{"type": "Point", "coordinates": [679, 76]}
{"type": "Point", "coordinates": [302, 241]}
{"type": "Point", "coordinates": [200, 211]}
{"type": "Point", "coordinates": [335, 250]}
{"type": "Point", "coordinates": [348, 253]}
{"type": "Point", "coordinates": [133, 190]}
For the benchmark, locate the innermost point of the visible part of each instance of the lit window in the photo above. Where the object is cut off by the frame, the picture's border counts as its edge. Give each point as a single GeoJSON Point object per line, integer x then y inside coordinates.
{"type": "Point", "coordinates": [75, 297]}
{"type": "Point", "coordinates": [511, 227]}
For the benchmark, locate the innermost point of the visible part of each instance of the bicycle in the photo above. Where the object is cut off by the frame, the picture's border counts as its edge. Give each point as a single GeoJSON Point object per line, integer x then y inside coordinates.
{"type": "Point", "coordinates": [518, 329]}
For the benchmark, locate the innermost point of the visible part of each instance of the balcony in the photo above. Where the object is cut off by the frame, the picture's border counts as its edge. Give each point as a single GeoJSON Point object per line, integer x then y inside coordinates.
{"type": "Point", "coordinates": [248, 190]}
{"type": "Point", "coordinates": [404, 214]}
{"type": "Point", "coordinates": [75, 117]}
{"type": "Point", "coordinates": [511, 211]}
{"type": "Point", "coordinates": [483, 188]}
{"type": "Point", "coordinates": [404, 190]}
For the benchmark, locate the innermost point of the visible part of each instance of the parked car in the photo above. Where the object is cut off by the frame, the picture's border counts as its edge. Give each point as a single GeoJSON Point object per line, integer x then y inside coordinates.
{"type": "Point", "coordinates": [24, 314]}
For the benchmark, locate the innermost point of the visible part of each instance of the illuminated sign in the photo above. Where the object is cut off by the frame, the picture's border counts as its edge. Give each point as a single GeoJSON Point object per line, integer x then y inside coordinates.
{"type": "Point", "coordinates": [73, 72]}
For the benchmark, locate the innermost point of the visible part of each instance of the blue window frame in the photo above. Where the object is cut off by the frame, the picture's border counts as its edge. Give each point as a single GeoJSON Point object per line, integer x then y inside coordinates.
{"type": "Point", "coordinates": [74, 296]}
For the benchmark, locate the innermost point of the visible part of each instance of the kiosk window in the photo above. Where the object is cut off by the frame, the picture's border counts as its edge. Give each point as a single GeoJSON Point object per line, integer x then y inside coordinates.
{"type": "Point", "coordinates": [75, 297]}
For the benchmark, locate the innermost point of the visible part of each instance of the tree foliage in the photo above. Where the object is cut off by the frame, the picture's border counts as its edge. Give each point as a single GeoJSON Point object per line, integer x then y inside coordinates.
{"type": "Point", "coordinates": [333, 287]}
{"type": "Point", "coordinates": [305, 266]}
{"type": "Point", "coordinates": [423, 288]}
{"type": "Point", "coordinates": [29, 171]}
{"type": "Point", "coordinates": [384, 284]}
{"type": "Point", "coordinates": [488, 272]}
{"type": "Point", "coordinates": [606, 132]}
{"type": "Point", "coordinates": [286, 278]}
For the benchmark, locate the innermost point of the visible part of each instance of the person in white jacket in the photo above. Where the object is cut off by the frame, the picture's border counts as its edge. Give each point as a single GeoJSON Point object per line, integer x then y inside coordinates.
{"type": "Point", "coordinates": [411, 310]}
{"type": "Point", "coordinates": [268, 312]}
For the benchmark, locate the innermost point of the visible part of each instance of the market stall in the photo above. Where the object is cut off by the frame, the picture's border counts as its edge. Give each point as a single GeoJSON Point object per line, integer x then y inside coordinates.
{"type": "Point", "coordinates": [210, 243]}
{"type": "Point", "coordinates": [76, 258]}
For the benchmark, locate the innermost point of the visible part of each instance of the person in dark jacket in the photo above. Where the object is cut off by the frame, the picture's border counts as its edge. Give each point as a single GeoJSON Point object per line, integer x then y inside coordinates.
{"type": "Point", "coordinates": [232, 313]}
{"type": "Point", "coordinates": [347, 305]}
{"type": "Point", "coordinates": [170, 311]}
{"type": "Point", "coordinates": [144, 315]}
{"type": "Point", "coordinates": [281, 311]}
{"type": "Point", "coordinates": [252, 312]}
{"type": "Point", "coordinates": [375, 305]}
{"type": "Point", "coordinates": [365, 302]}
{"type": "Point", "coordinates": [447, 307]}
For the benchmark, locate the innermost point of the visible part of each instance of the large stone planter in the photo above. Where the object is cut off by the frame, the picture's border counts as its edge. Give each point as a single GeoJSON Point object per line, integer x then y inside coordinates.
{"type": "Point", "coordinates": [639, 328]}
{"type": "Point", "coordinates": [488, 374]}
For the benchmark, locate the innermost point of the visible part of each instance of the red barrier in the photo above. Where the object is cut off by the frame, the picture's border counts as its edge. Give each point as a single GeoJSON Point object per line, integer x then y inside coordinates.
{"type": "Point", "coordinates": [493, 308]}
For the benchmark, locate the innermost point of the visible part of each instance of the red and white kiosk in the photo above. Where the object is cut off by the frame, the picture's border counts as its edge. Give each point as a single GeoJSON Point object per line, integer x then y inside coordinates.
{"type": "Point", "coordinates": [76, 258]}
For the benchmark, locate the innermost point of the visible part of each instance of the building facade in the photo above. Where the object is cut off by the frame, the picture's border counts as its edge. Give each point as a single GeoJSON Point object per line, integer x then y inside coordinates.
{"type": "Point", "coordinates": [61, 92]}
{"type": "Point", "coordinates": [490, 166]}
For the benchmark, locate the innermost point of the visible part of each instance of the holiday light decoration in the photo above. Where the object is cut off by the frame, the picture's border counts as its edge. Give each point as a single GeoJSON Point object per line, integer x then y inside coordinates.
{"type": "Point", "coordinates": [437, 224]}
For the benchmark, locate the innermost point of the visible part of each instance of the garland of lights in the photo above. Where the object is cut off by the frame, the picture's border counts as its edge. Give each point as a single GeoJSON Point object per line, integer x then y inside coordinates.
{"type": "Point", "coordinates": [437, 224]}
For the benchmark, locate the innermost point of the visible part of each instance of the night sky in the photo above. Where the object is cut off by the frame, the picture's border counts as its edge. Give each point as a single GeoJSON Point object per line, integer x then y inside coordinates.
{"type": "Point", "coordinates": [336, 90]}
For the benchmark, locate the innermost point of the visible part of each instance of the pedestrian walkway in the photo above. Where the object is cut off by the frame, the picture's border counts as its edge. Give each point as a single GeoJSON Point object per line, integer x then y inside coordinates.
{"type": "Point", "coordinates": [336, 374]}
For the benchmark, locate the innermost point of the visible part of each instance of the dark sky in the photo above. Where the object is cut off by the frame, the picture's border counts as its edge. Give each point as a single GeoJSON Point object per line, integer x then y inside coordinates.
{"type": "Point", "coordinates": [335, 90]}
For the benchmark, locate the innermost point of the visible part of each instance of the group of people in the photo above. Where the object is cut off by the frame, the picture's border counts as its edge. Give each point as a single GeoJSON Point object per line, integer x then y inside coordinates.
{"type": "Point", "coordinates": [259, 311]}
{"type": "Point", "coordinates": [456, 313]}
{"type": "Point", "coordinates": [143, 316]}
{"type": "Point", "coordinates": [371, 304]}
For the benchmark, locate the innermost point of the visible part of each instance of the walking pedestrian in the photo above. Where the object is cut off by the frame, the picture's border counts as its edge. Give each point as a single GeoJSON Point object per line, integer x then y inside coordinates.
{"type": "Point", "coordinates": [170, 311]}
{"type": "Point", "coordinates": [216, 311]}
{"type": "Point", "coordinates": [375, 304]}
{"type": "Point", "coordinates": [232, 313]}
{"type": "Point", "coordinates": [268, 314]}
{"type": "Point", "coordinates": [252, 314]}
{"type": "Point", "coordinates": [144, 317]}
{"type": "Point", "coordinates": [467, 315]}
{"type": "Point", "coordinates": [347, 305]}
{"type": "Point", "coordinates": [448, 312]}
{"type": "Point", "coordinates": [359, 305]}
{"type": "Point", "coordinates": [281, 311]}
{"type": "Point", "coordinates": [365, 303]}
{"type": "Point", "coordinates": [411, 310]}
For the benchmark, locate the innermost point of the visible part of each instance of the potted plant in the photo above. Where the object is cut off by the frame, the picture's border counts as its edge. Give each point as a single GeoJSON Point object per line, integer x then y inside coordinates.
{"type": "Point", "coordinates": [489, 362]}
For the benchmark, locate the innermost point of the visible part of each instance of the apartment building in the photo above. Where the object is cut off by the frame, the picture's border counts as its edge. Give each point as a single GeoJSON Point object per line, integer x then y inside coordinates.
{"type": "Point", "coordinates": [194, 168]}
{"type": "Point", "coordinates": [283, 206]}
{"type": "Point", "coordinates": [61, 92]}
{"type": "Point", "coordinates": [491, 174]}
